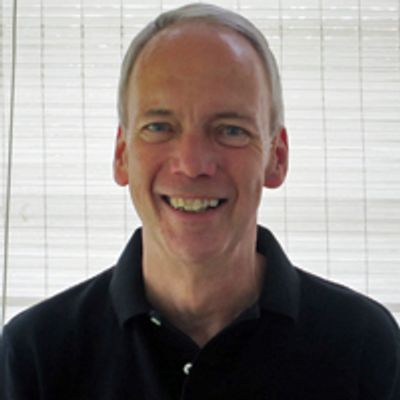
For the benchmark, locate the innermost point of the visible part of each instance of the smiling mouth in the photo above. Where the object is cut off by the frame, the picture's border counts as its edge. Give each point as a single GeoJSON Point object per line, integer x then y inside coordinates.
{"type": "Point", "coordinates": [195, 205]}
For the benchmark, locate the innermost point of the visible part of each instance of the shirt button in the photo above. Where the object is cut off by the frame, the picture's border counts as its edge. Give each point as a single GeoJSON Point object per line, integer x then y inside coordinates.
{"type": "Point", "coordinates": [155, 320]}
{"type": "Point", "coordinates": [187, 367]}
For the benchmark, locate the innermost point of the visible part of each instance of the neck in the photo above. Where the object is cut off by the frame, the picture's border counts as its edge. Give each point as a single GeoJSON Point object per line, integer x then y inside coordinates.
{"type": "Point", "coordinates": [202, 299]}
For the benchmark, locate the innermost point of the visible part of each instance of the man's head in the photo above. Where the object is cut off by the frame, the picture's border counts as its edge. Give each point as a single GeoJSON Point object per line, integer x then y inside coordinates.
{"type": "Point", "coordinates": [196, 146]}
{"type": "Point", "coordinates": [208, 14]}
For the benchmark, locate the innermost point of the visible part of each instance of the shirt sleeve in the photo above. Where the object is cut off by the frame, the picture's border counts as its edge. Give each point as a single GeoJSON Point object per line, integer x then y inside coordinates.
{"type": "Point", "coordinates": [17, 372]}
{"type": "Point", "coordinates": [380, 363]}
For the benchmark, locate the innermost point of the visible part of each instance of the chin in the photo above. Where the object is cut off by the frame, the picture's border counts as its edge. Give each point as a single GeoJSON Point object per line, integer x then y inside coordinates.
{"type": "Point", "coordinates": [194, 251]}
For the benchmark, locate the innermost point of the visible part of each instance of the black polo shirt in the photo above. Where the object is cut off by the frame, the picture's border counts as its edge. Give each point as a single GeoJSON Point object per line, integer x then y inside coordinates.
{"type": "Point", "coordinates": [306, 338]}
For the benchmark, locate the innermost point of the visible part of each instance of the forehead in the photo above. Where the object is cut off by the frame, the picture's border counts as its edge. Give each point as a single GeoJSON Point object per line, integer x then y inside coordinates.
{"type": "Point", "coordinates": [200, 58]}
{"type": "Point", "coordinates": [185, 48]}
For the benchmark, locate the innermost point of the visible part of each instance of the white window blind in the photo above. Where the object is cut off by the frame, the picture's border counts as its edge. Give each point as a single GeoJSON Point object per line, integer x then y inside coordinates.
{"type": "Point", "coordinates": [338, 214]}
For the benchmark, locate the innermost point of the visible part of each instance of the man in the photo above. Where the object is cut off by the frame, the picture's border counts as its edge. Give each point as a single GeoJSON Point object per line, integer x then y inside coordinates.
{"type": "Point", "coordinates": [202, 304]}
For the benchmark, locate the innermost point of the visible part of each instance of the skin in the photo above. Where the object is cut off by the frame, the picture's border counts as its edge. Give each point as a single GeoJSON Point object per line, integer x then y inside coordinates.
{"type": "Point", "coordinates": [198, 127]}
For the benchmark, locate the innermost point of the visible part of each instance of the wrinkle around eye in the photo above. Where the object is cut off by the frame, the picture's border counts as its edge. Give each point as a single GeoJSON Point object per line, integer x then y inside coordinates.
{"type": "Point", "coordinates": [232, 135]}
{"type": "Point", "coordinates": [156, 132]}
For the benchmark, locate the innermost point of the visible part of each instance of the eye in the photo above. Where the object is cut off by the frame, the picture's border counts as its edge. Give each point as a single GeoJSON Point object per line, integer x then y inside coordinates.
{"type": "Point", "coordinates": [232, 135]}
{"type": "Point", "coordinates": [158, 127]}
{"type": "Point", "coordinates": [156, 132]}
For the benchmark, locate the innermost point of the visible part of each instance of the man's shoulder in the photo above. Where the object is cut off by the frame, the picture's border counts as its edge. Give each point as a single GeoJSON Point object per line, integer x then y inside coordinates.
{"type": "Point", "coordinates": [342, 306]}
{"type": "Point", "coordinates": [65, 309]}
{"type": "Point", "coordinates": [351, 330]}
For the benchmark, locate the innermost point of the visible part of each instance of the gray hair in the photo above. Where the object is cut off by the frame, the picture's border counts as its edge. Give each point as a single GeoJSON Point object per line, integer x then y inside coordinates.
{"type": "Point", "coordinates": [209, 14]}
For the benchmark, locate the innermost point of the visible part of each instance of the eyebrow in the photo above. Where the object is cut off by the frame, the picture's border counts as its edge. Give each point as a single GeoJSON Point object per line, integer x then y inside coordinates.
{"type": "Point", "coordinates": [163, 112]}
{"type": "Point", "coordinates": [158, 112]}
{"type": "Point", "coordinates": [233, 115]}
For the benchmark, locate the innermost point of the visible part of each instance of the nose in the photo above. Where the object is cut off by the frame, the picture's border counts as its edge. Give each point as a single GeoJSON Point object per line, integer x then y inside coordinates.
{"type": "Point", "coordinates": [194, 156]}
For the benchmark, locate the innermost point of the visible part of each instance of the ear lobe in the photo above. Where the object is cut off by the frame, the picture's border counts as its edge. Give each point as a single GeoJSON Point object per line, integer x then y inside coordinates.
{"type": "Point", "coordinates": [120, 163]}
{"type": "Point", "coordinates": [277, 167]}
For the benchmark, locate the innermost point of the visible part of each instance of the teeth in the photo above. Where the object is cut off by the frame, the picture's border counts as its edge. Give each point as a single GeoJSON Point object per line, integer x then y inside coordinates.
{"type": "Point", "coordinates": [192, 205]}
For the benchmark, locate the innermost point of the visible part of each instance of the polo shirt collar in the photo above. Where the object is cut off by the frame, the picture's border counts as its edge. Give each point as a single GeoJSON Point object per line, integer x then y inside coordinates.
{"type": "Point", "coordinates": [280, 293]}
{"type": "Point", "coordinates": [126, 287]}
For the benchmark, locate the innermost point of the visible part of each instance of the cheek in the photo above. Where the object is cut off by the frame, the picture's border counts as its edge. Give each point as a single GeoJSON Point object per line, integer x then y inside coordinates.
{"type": "Point", "coordinates": [138, 172]}
{"type": "Point", "coordinates": [250, 177]}
{"type": "Point", "coordinates": [144, 167]}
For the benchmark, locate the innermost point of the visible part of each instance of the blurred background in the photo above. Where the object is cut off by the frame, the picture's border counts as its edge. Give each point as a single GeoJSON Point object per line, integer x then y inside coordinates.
{"type": "Point", "coordinates": [63, 219]}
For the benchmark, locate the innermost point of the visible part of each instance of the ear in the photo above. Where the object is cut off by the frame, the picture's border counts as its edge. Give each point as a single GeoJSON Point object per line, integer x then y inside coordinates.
{"type": "Point", "coordinates": [120, 162]}
{"type": "Point", "coordinates": [276, 170]}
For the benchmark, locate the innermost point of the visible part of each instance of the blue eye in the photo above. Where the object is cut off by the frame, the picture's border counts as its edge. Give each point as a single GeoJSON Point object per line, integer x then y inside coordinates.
{"type": "Point", "coordinates": [156, 132]}
{"type": "Point", "coordinates": [232, 135]}
{"type": "Point", "coordinates": [233, 131]}
{"type": "Point", "coordinates": [158, 127]}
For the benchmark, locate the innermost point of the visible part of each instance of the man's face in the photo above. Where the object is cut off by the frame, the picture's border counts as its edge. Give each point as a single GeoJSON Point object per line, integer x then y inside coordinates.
{"type": "Point", "coordinates": [196, 148]}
